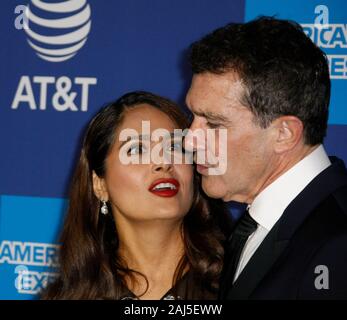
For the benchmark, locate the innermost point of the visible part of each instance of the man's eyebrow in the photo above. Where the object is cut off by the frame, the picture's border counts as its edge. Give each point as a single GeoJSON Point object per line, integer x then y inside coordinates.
{"type": "Point", "coordinates": [211, 116]}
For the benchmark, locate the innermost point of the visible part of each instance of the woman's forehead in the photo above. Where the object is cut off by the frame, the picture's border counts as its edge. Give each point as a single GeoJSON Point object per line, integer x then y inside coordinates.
{"type": "Point", "coordinates": [145, 115]}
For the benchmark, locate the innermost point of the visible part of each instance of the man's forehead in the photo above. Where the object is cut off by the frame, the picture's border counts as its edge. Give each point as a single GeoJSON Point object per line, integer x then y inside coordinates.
{"type": "Point", "coordinates": [222, 85]}
{"type": "Point", "coordinates": [210, 92]}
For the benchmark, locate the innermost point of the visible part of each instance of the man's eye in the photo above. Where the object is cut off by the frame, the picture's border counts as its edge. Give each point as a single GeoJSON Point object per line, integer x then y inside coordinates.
{"type": "Point", "coordinates": [212, 125]}
{"type": "Point", "coordinates": [136, 149]}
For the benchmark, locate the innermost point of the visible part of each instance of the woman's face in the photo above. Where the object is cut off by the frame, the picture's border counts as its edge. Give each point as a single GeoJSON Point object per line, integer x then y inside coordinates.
{"type": "Point", "coordinates": [143, 192]}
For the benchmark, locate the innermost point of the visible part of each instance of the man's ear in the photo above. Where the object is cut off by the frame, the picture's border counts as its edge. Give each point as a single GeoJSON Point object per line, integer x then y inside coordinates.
{"type": "Point", "coordinates": [99, 187]}
{"type": "Point", "coordinates": [289, 133]}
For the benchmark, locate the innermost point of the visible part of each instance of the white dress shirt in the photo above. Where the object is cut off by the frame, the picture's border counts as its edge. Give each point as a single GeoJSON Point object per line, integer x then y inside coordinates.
{"type": "Point", "coordinates": [269, 205]}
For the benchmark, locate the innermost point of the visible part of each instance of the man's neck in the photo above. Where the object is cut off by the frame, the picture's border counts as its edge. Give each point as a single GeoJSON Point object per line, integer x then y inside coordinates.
{"type": "Point", "coordinates": [282, 164]}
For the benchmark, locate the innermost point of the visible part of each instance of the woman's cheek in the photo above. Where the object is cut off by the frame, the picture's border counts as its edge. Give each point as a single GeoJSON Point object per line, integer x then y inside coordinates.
{"type": "Point", "coordinates": [124, 181]}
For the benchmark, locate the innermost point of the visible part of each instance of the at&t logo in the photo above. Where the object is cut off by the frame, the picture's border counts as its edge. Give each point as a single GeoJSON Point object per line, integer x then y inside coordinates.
{"type": "Point", "coordinates": [57, 30]}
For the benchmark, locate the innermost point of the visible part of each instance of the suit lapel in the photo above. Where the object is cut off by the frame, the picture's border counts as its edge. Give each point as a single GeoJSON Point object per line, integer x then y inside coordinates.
{"type": "Point", "coordinates": [278, 238]}
{"type": "Point", "coordinates": [260, 263]}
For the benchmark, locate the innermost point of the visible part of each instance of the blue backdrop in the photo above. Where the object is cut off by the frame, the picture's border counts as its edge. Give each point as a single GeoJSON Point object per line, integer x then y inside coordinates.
{"type": "Point", "coordinates": [61, 63]}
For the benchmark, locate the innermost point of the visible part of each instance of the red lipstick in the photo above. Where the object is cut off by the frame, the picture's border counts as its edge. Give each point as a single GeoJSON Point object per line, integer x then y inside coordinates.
{"type": "Point", "coordinates": [165, 187]}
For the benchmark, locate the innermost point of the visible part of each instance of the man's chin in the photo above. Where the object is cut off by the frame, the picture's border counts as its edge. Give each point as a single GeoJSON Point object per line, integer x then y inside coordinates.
{"type": "Point", "coordinates": [210, 188]}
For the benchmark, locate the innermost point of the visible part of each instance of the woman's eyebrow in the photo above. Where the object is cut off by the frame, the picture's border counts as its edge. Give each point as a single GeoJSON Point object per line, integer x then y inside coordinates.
{"type": "Point", "coordinates": [146, 137]}
{"type": "Point", "coordinates": [139, 137]}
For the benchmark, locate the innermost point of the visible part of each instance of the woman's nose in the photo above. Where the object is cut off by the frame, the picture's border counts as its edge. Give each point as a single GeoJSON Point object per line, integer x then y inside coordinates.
{"type": "Point", "coordinates": [165, 167]}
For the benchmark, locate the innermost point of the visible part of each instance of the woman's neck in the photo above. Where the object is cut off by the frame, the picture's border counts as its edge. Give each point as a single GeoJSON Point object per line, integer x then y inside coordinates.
{"type": "Point", "coordinates": [154, 249]}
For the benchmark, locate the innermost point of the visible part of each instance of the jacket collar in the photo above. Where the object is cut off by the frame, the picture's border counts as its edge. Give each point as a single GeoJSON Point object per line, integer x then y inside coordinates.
{"type": "Point", "coordinates": [278, 238]}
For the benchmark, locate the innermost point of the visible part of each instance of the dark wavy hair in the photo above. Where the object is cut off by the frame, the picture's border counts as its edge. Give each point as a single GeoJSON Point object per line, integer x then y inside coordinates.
{"type": "Point", "coordinates": [283, 71]}
{"type": "Point", "coordinates": [90, 266]}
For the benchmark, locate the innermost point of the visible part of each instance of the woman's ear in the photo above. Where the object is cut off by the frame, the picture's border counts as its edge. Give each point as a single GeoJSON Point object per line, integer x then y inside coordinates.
{"type": "Point", "coordinates": [99, 187]}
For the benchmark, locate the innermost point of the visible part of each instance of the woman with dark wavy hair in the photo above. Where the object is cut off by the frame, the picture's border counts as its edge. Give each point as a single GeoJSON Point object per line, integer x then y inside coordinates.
{"type": "Point", "coordinates": [137, 230]}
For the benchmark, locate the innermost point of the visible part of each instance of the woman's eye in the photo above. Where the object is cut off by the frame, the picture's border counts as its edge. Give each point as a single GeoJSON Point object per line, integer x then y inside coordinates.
{"type": "Point", "coordinates": [136, 149]}
{"type": "Point", "coordinates": [176, 146]}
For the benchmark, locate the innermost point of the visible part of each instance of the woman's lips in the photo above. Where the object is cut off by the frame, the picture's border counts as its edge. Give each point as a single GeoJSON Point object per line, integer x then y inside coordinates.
{"type": "Point", "coordinates": [165, 187]}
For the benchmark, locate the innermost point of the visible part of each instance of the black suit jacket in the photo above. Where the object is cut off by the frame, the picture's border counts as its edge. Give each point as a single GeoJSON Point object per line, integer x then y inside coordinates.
{"type": "Point", "coordinates": [307, 244]}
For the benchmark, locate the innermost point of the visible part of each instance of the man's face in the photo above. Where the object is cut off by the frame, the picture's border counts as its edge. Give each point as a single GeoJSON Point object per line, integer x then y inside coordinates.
{"type": "Point", "coordinates": [215, 103]}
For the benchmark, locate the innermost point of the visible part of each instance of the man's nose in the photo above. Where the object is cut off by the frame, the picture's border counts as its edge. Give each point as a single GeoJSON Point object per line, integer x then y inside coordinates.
{"type": "Point", "coordinates": [194, 139]}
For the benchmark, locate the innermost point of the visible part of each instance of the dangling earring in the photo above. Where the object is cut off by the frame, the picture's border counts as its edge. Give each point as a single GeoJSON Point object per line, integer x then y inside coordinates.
{"type": "Point", "coordinates": [104, 209]}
